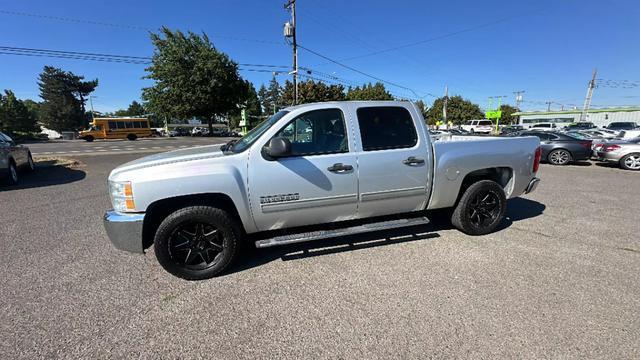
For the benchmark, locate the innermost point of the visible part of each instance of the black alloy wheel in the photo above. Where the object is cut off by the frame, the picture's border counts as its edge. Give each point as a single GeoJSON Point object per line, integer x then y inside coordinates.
{"type": "Point", "coordinates": [197, 242]}
{"type": "Point", "coordinates": [484, 208]}
{"type": "Point", "coordinates": [196, 245]}
{"type": "Point", "coordinates": [480, 209]}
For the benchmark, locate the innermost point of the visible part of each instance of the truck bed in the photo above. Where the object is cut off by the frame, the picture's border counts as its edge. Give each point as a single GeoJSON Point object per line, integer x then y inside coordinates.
{"type": "Point", "coordinates": [459, 156]}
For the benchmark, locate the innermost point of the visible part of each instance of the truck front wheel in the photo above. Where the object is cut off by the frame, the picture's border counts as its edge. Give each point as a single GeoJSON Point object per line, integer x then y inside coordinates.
{"type": "Point", "coordinates": [197, 242]}
{"type": "Point", "coordinates": [480, 209]}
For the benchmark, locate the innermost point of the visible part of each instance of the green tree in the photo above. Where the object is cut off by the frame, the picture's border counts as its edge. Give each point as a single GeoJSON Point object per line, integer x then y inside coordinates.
{"type": "Point", "coordinates": [252, 107]}
{"type": "Point", "coordinates": [134, 109]}
{"type": "Point", "coordinates": [270, 97]}
{"type": "Point", "coordinates": [376, 91]}
{"type": "Point", "coordinates": [311, 91]}
{"type": "Point", "coordinates": [64, 96]}
{"type": "Point", "coordinates": [34, 108]}
{"type": "Point", "coordinates": [459, 110]}
{"type": "Point", "coordinates": [14, 115]}
{"type": "Point", "coordinates": [423, 109]}
{"type": "Point", "coordinates": [192, 78]}
{"type": "Point", "coordinates": [507, 114]}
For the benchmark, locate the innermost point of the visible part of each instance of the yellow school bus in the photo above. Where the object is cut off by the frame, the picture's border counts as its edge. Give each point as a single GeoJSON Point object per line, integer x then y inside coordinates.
{"type": "Point", "coordinates": [117, 128]}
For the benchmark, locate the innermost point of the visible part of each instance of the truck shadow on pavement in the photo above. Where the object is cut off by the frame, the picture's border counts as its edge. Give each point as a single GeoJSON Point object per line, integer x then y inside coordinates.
{"type": "Point", "coordinates": [517, 209]}
{"type": "Point", "coordinates": [46, 176]}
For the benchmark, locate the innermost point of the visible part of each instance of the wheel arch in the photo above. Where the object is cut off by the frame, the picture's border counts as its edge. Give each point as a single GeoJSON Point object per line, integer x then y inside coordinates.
{"type": "Point", "coordinates": [503, 175]}
{"type": "Point", "coordinates": [157, 211]}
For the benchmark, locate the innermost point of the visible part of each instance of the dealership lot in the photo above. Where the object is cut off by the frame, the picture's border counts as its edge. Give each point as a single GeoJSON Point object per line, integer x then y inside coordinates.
{"type": "Point", "coordinates": [559, 280]}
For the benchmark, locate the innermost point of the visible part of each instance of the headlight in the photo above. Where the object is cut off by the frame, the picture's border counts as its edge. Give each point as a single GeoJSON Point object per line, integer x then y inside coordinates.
{"type": "Point", "coordinates": [121, 196]}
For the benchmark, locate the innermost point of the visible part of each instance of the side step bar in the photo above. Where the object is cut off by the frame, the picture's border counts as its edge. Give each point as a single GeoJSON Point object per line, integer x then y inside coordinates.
{"type": "Point", "coordinates": [324, 234]}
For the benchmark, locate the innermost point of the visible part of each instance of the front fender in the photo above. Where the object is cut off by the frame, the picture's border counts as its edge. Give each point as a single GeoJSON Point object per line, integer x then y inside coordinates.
{"type": "Point", "coordinates": [203, 176]}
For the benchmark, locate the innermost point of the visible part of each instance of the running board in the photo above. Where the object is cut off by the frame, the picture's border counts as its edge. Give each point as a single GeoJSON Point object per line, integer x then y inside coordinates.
{"type": "Point", "coordinates": [325, 234]}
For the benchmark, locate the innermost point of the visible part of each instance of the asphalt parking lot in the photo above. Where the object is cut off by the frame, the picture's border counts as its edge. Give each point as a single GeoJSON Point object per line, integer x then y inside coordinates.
{"type": "Point", "coordinates": [559, 280]}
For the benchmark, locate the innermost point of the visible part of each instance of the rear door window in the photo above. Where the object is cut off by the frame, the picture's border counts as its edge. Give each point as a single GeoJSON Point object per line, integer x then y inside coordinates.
{"type": "Point", "coordinates": [486, 122]}
{"type": "Point", "coordinates": [386, 127]}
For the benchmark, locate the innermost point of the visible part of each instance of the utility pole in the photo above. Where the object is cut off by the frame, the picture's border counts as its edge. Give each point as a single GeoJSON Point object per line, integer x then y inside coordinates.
{"type": "Point", "coordinates": [587, 99]}
{"type": "Point", "coordinates": [548, 105]}
{"type": "Point", "coordinates": [518, 95]}
{"type": "Point", "coordinates": [91, 103]}
{"type": "Point", "coordinates": [290, 31]}
{"type": "Point", "coordinates": [444, 105]}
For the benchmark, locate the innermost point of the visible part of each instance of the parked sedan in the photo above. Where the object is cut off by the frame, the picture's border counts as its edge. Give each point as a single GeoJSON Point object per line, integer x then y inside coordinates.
{"type": "Point", "coordinates": [625, 153]}
{"type": "Point", "coordinates": [13, 158]}
{"type": "Point", "coordinates": [561, 149]}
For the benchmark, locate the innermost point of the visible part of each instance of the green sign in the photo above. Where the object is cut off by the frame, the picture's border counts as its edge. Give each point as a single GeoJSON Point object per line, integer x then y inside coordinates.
{"type": "Point", "coordinates": [495, 114]}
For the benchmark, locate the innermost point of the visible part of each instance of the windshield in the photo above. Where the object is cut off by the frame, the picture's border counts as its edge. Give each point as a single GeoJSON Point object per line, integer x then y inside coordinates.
{"type": "Point", "coordinates": [253, 135]}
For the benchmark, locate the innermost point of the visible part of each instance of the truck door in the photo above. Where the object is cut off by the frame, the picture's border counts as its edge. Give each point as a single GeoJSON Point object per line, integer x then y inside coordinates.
{"type": "Point", "coordinates": [316, 184]}
{"type": "Point", "coordinates": [393, 162]}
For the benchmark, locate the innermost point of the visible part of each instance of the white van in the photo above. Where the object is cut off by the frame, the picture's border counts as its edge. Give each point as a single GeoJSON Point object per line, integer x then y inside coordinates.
{"type": "Point", "coordinates": [478, 126]}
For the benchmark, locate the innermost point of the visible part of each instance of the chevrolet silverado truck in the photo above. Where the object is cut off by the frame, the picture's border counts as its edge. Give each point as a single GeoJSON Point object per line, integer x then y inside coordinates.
{"type": "Point", "coordinates": [310, 172]}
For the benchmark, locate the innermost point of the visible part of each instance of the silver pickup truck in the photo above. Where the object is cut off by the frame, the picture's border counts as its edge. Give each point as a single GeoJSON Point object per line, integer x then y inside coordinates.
{"type": "Point", "coordinates": [310, 172]}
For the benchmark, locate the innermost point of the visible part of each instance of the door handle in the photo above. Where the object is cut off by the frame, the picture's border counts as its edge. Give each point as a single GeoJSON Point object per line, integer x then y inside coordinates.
{"type": "Point", "coordinates": [340, 168]}
{"type": "Point", "coordinates": [412, 161]}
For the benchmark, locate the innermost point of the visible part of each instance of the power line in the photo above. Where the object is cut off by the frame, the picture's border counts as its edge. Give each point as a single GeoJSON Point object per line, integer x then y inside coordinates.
{"type": "Point", "coordinates": [124, 26]}
{"type": "Point", "coordinates": [356, 70]}
{"type": "Point", "coordinates": [76, 55]}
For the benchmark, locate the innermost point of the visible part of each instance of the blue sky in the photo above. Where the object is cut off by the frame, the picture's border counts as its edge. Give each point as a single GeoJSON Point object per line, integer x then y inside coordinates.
{"type": "Point", "coordinates": [547, 48]}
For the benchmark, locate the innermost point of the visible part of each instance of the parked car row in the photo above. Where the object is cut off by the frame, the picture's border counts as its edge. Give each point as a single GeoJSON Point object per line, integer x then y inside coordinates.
{"type": "Point", "coordinates": [201, 131]}
{"type": "Point", "coordinates": [606, 145]}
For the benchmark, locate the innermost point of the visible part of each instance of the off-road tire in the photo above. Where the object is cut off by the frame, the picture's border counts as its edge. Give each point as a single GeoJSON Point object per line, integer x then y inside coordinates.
{"type": "Point", "coordinates": [166, 235]}
{"type": "Point", "coordinates": [464, 211]}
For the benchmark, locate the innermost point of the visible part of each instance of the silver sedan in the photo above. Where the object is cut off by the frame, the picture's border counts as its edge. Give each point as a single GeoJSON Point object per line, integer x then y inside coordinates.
{"type": "Point", "coordinates": [625, 153]}
{"type": "Point", "coordinates": [12, 158]}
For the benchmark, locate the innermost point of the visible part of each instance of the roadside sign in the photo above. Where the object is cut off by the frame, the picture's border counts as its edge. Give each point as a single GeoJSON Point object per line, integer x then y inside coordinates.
{"type": "Point", "coordinates": [495, 114]}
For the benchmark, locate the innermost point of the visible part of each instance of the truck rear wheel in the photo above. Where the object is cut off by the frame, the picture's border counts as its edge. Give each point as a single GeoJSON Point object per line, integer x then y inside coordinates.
{"type": "Point", "coordinates": [197, 242]}
{"type": "Point", "coordinates": [480, 209]}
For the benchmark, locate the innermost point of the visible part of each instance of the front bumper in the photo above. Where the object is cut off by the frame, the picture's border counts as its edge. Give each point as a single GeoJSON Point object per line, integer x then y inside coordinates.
{"type": "Point", "coordinates": [124, 230]}
{"type": "Point", "coordinates": [533, 184]}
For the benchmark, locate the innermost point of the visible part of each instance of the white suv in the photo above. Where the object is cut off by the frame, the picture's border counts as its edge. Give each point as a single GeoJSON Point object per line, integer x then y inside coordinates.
{"type": "Point", "coordinates": [199, 131]}
{"type": "Point", "coordinates": [478, 126]}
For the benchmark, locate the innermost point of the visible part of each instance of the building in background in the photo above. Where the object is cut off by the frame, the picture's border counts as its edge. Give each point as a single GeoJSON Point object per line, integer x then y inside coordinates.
{"type": "Point", "coordinates": [599, 117]}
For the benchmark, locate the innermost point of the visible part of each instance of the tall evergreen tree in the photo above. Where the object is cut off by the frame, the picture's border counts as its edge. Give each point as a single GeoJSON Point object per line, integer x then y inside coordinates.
{"type": "Point", "coordinates": [64, 96]}
{"type": "Point", "coordinates": [270, 97]}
